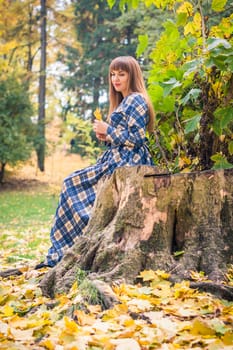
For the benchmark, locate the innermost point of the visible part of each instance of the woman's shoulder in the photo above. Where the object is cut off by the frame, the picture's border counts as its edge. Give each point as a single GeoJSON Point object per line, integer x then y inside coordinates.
{"type": "Point", "coordinates": [134, 98]}
{"type": "Point", "coordinates": [132, 101]}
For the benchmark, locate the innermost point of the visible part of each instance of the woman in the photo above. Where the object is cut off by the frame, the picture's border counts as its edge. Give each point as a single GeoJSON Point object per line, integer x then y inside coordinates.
{"type": "Point", "coordinates": [130, 112]}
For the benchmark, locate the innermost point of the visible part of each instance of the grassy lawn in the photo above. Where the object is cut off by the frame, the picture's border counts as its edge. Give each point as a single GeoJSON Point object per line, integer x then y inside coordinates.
{"type": "Point", "coordinates": [25, 221]}
{"type": "Point", "coordinates": [24, 209]}
{"type": "Point", "coordinates": [28, 200]}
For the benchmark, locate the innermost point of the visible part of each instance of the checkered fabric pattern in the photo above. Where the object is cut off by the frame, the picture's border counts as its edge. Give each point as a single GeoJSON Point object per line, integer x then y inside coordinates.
{"type": "Point", "coordinates": [125, 147]}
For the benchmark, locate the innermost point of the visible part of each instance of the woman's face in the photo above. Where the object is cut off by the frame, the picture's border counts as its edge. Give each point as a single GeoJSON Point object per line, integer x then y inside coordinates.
{"type": "Point", "coordinates": [120, 81]}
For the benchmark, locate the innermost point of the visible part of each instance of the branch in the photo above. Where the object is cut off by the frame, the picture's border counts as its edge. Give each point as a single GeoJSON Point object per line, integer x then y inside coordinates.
{"type": "Point", "coordinates": [10, 272]}
{"type": "Point", "coordinates": [161, 149]}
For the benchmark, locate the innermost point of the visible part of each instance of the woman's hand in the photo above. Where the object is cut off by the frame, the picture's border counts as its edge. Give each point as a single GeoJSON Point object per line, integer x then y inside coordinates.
{"type": "Point", "coordinates": [100, 127]}
{"type": "Point", "coordinates": [101, 137]}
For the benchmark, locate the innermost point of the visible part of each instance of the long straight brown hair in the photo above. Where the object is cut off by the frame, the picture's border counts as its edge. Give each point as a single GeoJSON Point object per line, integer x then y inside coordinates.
{"type": "Point", "coordinates": [136, 84]}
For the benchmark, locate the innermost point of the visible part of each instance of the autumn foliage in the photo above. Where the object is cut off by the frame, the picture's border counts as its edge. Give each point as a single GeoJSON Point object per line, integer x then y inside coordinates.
{"type": "Point", "coordinates": [154, 314]}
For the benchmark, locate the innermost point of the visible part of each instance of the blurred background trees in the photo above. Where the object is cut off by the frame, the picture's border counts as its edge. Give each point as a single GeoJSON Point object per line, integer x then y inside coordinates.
{"type": "Point", "coordinates": [16, 128]}
{"type": "Point", "coordinates": [184, 48]}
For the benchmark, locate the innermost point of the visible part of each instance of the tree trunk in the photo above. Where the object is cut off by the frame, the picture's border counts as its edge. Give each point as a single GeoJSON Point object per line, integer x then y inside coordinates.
{"type": "Point", "coordinates": [142, 218]}
{"type": "Point", "coordinates": [2, 172]}
{"type": "Point", "coordinates": [96, 92]}
{"type": "Point", "coordinates": [42, 89]}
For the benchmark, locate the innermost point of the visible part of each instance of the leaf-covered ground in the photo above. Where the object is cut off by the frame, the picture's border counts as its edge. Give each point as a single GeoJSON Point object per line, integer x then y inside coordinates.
{"type": "Point", "coordinates": [151, 315]}
{"type": "Point", "coordinates": [154, 315]}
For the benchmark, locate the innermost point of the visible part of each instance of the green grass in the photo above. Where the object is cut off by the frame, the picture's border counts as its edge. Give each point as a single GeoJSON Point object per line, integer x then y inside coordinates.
{"type": "Point", "coordinates": [21, 209]}
{"type": "Point", "coordinates": [25, 220]}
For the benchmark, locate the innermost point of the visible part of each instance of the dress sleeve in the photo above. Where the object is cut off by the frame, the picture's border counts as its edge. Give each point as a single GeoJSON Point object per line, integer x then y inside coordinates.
{"type": "Point", "coordinates": [132, 127]}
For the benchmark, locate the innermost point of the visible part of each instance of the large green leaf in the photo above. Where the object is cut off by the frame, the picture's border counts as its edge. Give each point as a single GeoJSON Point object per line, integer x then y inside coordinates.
{"type": "Point", "coordinates": [219, 62]}
{"type": "Point", "coordinates": [216, 127]}
{"type": "Point", "coordinates": [220, 54]}
{"type": "Point", "coordinates": [134, 3]}
{"type": "Point", "coordinates": [192, 123]}
{"type": "Point", "coordinates": [142, 44]}
{"type": "Point", "coordinates": [169, 85]}
{"type": "Point", "coordinates": [193, 94]}
{"type": "Point", "coordinates": [218, 5]}
{"type": "Point", "coordinates": [181, 19]}
{"type": "Point", "coordinates": [156, 92]}
{"type": "Point", "coordinates": [111, 3]}
{"type": "Point", "coordinates": [220, 162]}
{"type": "Point", "coordinates": [215, 42]}
{"type": "Point", "coordinates": [224, 115]}
{"type": "Point", "coordinates": [192, 66]}
{"type": "Point", "coordinates": [229, 62]}
{"type": "Point", "coordinates": [167, 105]}
{"type": "Point", "coordinates": [230, 147]}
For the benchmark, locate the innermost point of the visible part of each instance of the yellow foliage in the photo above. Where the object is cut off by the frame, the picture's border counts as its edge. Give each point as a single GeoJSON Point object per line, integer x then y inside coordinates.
{"type": "Point", "coordinates": [18, 334]}
{"type": "Point", "coordinates": [83, 318]}
{"type": "Point", "coordinates": [70, 325]}
{"type": "Point", "coordinates": [8, 47]}
{"type": "Point", "coordinates": [153, 313]}
{"type": "Point", "coordinates": [194, 27]}
{"type": "Point", "coordinates": [47, 344]}
{"type": "Point", "coordinates": [163, 274]}
{"type": "Point", "coordinates": [183, 161]}
{"type": "Point", "coordinates": [228, 338]}
{"type": "Point", "coordinates": [148, 275]}
{"type": "Point", "coordinates": [7, 311]}
{"type": "Point", "coordinates": [186, 7]}
{"type": "Point", "coordinates": [202, 327]}
{"type": "Point", "coordinates": [224, 29]}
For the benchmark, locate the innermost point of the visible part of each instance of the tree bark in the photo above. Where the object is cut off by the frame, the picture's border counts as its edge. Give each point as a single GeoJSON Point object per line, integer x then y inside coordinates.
{"type": "Point", "coordinates": [142, 218]}
{"type": "Point", "coordinates": [2, 171]}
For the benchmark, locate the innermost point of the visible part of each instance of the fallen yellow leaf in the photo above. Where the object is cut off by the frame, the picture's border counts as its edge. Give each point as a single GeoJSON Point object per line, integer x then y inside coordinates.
{"type": "Point", "coordinates": [202, 327]}
{"type": "Point", "coordinates": [3, 329]}
{"type": "Point", "coordinates": [8, 311]}
{"type": "Point", "coordinates": [71, 325]}
{"type": "Point", "coordinates": [83, 319]}
{"type": "Point", "coordinates": [19, 334]}
{"type": "Point", "coordinates": [148, 275]}
{"type": "Point", "coordinates": [48, 344]}
{"type": "Point", "coordinates": [126, 344]}
{"type": "Point", "coordinates": [228, 338]}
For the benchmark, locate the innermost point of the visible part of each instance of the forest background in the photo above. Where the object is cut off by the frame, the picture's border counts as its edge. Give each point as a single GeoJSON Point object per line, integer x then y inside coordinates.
{"type": "Point", "coordinates": [54, 57]}
{"type": "Point", "coordinates": [54, 61]}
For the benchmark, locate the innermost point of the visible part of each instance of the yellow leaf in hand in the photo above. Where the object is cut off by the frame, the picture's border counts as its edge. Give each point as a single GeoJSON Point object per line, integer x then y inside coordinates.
{"type": "Point", "coordinates": [97, 114]}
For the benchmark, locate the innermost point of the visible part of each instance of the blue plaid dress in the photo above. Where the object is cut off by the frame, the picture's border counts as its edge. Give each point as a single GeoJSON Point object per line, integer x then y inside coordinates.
{"type": "Point", "coordinates": [125, 147]}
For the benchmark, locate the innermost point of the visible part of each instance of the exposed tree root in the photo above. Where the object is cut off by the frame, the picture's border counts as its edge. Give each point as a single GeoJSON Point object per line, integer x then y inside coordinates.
{"type": "Point", "coordinates": [219, 290]}
{"type": "Point", "coordinates": [10, 272]}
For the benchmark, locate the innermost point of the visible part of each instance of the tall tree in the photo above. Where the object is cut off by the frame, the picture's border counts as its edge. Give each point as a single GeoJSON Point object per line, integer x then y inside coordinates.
{"type": "Point", "coordinates": [102, 37]}
{"type": "Point", "coordinates": [42, 87]}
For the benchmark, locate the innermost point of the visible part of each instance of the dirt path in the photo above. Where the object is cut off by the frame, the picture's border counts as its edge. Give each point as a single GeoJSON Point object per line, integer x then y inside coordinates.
{"type": "Point", "coordinates": [57, 167]}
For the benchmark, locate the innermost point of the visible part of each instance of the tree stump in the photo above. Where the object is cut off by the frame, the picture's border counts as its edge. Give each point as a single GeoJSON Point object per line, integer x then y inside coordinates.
{"type": "Point", "coordinates": [142, 218]}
